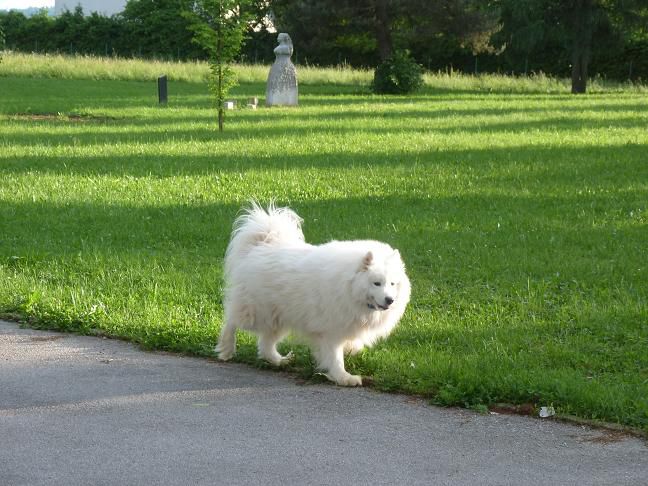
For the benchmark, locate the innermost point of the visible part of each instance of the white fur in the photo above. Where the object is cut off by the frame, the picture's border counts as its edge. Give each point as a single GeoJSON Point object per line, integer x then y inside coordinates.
{"type": "Point", "coordinates": [277, 283]}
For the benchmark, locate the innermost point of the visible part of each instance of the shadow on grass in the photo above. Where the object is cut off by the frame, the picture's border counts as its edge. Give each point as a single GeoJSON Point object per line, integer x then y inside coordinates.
{"type": "Point", "coordinates": [273, 128]}
{"type": "Point", "coordinates": [55, 95]}
{"type": "Point", "coordinates": [524, 167]}
{"type": "Point", "coordinates": [498, 236]}
{"type": "Point", "coordinates": [344, 116]}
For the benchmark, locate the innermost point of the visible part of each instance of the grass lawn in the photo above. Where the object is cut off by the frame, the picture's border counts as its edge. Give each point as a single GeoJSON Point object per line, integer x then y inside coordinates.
{"type": "Point", "coordinates": [522, 217]}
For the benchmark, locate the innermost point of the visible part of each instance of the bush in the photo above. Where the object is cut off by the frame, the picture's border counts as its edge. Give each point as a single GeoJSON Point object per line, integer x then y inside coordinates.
{"type": "Point", "coordinates": [399, 74]}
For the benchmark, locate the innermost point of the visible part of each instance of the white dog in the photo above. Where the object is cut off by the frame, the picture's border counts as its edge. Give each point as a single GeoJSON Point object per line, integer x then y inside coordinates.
{"type": "Point", "coordinates": [340, 296]}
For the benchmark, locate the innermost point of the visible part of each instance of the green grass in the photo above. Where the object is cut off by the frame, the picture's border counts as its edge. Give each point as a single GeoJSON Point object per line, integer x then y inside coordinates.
{"type": "Point", "coordinates": [522, 219]}
{"type": "Point", "coordinates": [97, 68]}
{"type": "Point", "coordinates": [89, 67]}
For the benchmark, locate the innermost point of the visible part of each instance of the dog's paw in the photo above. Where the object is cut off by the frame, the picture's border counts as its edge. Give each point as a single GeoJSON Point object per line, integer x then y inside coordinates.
{"type": "Point", "coordinates": [276, 359]}
{"type": "Point", "coordinates": [284, 360]}
{"type": "Point", "coordinates": [224, 355]}
{"type": "Point", "coordinates": [349, 380]}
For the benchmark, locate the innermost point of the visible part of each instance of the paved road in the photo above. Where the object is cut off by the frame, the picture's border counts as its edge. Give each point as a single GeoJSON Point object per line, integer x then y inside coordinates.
{"type": "Point", "coordinates": [83, 410]}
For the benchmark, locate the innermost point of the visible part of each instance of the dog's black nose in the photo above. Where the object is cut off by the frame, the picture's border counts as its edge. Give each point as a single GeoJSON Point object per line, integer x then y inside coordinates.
{"type": "Point", "coordinates": [389, 301]}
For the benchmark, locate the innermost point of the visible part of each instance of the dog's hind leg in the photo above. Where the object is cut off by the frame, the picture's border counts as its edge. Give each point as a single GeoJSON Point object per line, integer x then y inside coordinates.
{"type": "Point", "coordinates": [226, 346]}
{"type": "Point", "coordinates": [235, 313]}
{"type": "Point", "coordinates": [267, 346]}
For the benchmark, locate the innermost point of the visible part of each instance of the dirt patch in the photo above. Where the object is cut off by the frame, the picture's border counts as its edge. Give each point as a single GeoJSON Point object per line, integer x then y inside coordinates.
{"type": "Point", "coordinates": [607, 437]}
{"type": "Point", "coordinates": [62, 117]}
{"type": "Point", "coordinates": [504, 408]}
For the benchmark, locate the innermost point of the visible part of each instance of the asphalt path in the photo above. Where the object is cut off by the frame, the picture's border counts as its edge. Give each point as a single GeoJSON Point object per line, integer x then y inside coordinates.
{"type": "Point", "coordinates": [84, 410]}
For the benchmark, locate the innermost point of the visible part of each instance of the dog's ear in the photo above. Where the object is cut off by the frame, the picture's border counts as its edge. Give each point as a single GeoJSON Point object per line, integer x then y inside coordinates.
{"type": "Point", "coordinates": [366, 262]}
{"type": "Point", "coordinates": [396, 258]}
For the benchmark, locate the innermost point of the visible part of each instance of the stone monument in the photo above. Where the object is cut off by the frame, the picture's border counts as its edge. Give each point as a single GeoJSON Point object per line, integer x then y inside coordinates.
{"type": "Point", "coordinates": [282, 80]}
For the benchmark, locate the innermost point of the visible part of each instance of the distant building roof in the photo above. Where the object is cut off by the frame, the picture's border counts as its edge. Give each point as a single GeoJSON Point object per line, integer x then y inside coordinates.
{"type": "Point", "coordinates": [104, 7]}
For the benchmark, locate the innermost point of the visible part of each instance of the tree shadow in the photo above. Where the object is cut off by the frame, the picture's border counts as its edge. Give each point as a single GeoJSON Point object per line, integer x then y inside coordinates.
{"type": "Point", "coordinates": [522, 166]}
{"type": "Point", "coordinates": [124, 112]}
{"type": "Point", "coordinates": [503, 227]}
{"type": "Point", "coordinates": [160, 125]}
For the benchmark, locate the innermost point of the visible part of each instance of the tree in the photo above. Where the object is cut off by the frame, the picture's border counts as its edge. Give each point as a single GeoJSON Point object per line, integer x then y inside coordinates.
{"type": "Point", "coordinates": [68, 30]}
{"type": "Point", "coordinates": [103, 35]}
{"type": "Point", "coordinates": [157, 28]}
{"type": "Point", "coordinates": [219, 27]}
{"type": "Point", "coordinates": [578, 28]}
{"type": "Point", "coordinates": [586, 18]}
{"type": "Point", "coordinates": [13, 26]}
{"type": "Point", "coordinates": [374, 29]}
{"type": "Point", "coordinates": [523, 36]}
{"type": "Point", "coordinates": [37, 32]}
{"type": "Point", "coordinates": [261, 37]}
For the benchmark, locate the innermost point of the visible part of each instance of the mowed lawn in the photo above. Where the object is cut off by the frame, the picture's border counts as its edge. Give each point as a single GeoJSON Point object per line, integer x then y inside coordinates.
{"type": "Point", "coordinates": [522, 218]}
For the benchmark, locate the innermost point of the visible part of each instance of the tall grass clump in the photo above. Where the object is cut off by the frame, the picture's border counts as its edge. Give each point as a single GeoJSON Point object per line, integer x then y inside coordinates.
{"type": "Point", "coordinates": [533, 83]}
{"type": "Point", "coordinates": [337, 75]}
{"type": "Point", "coordinates": [92, 67]}
{"type": "Point", "coordinates": [108, 68]}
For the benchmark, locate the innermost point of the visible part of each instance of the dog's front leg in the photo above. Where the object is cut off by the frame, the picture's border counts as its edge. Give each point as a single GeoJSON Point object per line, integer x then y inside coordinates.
{"type": "Point", "coordinates": [353, 347]}
{"type": "Point", "coordinates": [330, 358]}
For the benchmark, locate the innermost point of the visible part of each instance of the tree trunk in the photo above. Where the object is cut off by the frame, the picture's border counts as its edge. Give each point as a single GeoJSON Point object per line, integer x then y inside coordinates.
{"type": "Point", "coordinates": [581, 44]}
{"type": "Point", "coordinates": [220, 98]}
{"type": "Point", "coordinates": [579, 72]}
{"type": "Point", "coordinates": [383, 30]}
{"type": "Point", "coordinates": [219, 60]}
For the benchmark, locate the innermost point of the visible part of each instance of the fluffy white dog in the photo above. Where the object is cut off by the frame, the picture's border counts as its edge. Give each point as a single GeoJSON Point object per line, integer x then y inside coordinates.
{"type": "Point", "coordinates": [340, 296]}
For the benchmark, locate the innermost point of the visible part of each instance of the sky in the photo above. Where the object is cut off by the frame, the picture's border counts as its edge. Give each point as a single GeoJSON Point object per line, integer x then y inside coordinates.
{"type": "Point", "coordinates": [7, 4]}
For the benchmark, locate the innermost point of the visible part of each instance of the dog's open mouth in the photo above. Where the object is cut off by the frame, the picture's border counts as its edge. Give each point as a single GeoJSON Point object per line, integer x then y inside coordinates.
{"type": "Point", "coordinates": [376, 306]}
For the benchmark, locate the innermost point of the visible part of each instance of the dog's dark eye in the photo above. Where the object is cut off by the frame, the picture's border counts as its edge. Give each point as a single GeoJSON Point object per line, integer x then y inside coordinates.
{"type": "Point", "coordinates": [377, 284]}
{"type": "Point", "coordinates": [392, 284]}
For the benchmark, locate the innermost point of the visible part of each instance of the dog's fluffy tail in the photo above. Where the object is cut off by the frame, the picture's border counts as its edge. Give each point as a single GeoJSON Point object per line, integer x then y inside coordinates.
{"type": "Point", "coordinates": [258, 226]}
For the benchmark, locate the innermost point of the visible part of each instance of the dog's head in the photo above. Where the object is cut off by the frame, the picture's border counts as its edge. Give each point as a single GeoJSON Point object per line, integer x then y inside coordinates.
{"type": "Point", "coordinates": [384, 279]}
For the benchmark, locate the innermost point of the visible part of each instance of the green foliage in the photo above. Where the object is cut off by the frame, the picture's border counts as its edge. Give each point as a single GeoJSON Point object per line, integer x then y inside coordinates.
{"type": "Point", "coordinates": [400, 74]}
{"type": "Point", "coordinates": [154, 27]}
{"type": "Point", "coordinates": [366, 32]}
{"type": "Point", "coordinates": [219, 27]}
{"type": "Point", "coordinates": [584, 36]}
{"type": "Point", "coordinates": [221, 79]}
